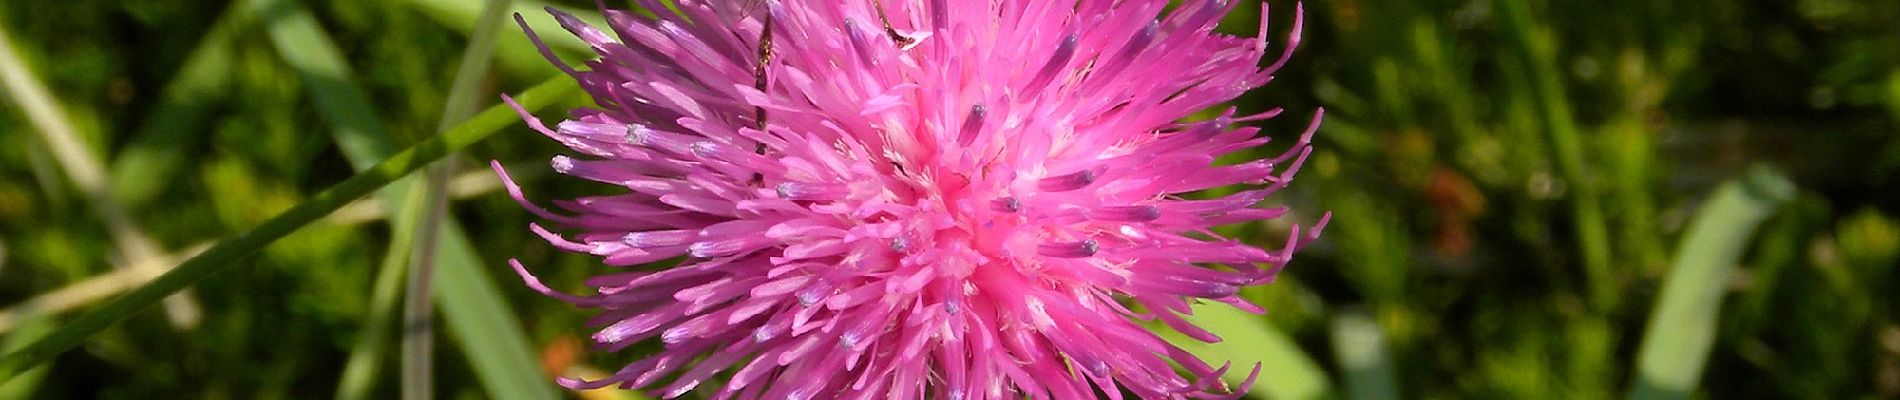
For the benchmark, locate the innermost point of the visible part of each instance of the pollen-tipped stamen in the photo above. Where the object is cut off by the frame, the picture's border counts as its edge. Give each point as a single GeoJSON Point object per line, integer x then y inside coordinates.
{"type": "Point", "coordinates": [1068, 182]}
{"type": "Point", "coordinates": [1081, 249]}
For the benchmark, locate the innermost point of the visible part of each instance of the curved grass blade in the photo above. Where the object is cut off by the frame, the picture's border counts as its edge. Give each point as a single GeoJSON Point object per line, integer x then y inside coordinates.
{"type": "Point", "coordinates": [418, 334]}
{"type": "Point", "coordinates": [471, 304]}
{"type": "Point", "coordinates": [226, 253]}
{"type": "Point", "coordinates": [1682, 327]}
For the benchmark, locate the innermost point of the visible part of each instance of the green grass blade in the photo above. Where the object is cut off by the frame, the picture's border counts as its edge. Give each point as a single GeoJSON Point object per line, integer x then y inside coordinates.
{"type": "Point", "coordinates": [361, 369]}
{"type": "Point", "coordinates": [303, 45]}
{"type": "Point", "coordinates": [471, 305]}
{"type": "Point", "coordinates": [418, 320]}
{"type": "Point", "coordinates": [32, 326]}
{"type": "Point", "coordinates": [514, 52]}
{"type": "Point", "coordinates": [1286, 372]}
{"type": "Point", "coordinates": [1682, 327]}
{"type": "Point", "coordinates": [1539, 50]}
{"type": "Point", "coordinates": [463, 97]}
{"type": "Point", "coordinates": [1359, 346]}
{"type": "Point", "coordinates": [226, 253]}
{"type": "Point", "coordinates": [465, 16]}
{"type": "Point", "coordinates": [487, 331]}
{"type": "Point", "coordinates": [418, 343]}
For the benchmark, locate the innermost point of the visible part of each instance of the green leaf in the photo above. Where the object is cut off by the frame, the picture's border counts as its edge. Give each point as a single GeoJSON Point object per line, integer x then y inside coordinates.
{"type": "Point", "coordinates": [477, 317]}
{"type": "Point", "coordinates": [1286, 372]}
{"type": "Point", "coordinates": [1682, 327]}
{"type": "Point", "coordinates": [226, 253]}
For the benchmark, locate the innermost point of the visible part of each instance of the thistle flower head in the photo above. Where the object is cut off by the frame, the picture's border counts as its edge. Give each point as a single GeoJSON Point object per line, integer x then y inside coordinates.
{"type": "Point", "coordinates": [916, 198]}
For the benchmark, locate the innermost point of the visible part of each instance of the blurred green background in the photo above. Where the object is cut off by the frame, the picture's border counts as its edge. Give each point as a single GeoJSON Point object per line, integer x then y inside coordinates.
{"type": "Point", "coordinates": [1528, 198]}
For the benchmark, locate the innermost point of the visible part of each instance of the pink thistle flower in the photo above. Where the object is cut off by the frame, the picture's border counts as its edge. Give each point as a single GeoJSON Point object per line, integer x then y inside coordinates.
{"type": "Point", "coordinates": [979, 200]}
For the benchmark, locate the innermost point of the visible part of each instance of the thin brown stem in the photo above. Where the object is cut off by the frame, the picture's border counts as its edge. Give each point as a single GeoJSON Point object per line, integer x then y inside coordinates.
{"type": "Point", "coordinates": [898, 39]}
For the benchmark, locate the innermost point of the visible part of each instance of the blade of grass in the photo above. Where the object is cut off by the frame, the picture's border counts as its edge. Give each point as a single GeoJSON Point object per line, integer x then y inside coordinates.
{"type": "Point", "coordinates": [478, 319]}
{"type": "Point", "coordinates": [302, 44]}
{"type": "Point", "coordinates": [85, 292]}
{"type": "Point", "coordinates": [418, 332]}
{"type": "Point", "coordinates": [1286, 372]}
{"type": "Point", "coordinates": [1539, 50]}
{"type": "Point", "coordinates": [468, 184]}
{"type": "Point", "coordinates": [1682, 327]}
{"type": "Point", "coordinates": [1630, 160]}
{"type": "Point", "coordinates": [227, 252]}
{"type": "Point", "coordinates": [32, 326]}
{"type": "Point", "coordinates": [44, 176]}
{"type": "Point", "coordinates": [466, 16]}
{"type": "Point", "coordinates": [69, 151]}
{"type": "Point", "coordinates": [463, 99]}
{"type": "Point", "coordinates": [516, 53]}
{"type": "Point", "coordinates": [482, 323]}
{"type": "Point", "coordinates": [417, 341]}
{"type": "Point", "coordinates": [361, 370]}
{"type": "Point", "coordinates": [86, 172]}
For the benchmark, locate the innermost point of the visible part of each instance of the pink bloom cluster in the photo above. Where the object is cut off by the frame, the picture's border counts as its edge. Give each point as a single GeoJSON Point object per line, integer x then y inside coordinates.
{"type": "Point", "coordinates": [982, 201]}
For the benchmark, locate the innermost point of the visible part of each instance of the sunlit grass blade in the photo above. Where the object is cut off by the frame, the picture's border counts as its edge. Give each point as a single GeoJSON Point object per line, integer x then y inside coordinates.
{"type": "Point", "coordinates": [92, 289]}
{"type": "Point", "coordinates": [1359, 346]}
{"type": "Point", "coordinates": [1682, 328]}
{"type": "Point", "coordinates": [1286, 372]}
{"type": "Point", "coordinates": [228, 252]}
{"type": "Point", "coordinates": [471, 305]}
{"type": "Point", "coordinates": [302, 44]}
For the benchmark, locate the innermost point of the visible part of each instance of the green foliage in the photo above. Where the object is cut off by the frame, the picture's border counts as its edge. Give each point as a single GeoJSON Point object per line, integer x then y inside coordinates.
{"type": "Point", "coordinates": [1513, 185]}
